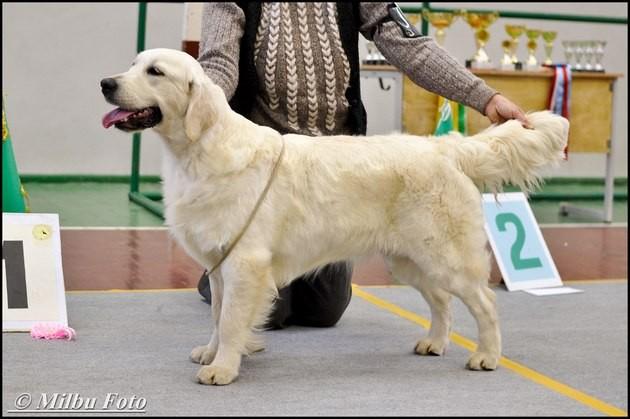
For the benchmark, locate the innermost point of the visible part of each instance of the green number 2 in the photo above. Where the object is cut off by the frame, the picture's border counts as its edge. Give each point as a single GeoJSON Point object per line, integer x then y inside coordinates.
{"type": "Point", "coordinates": [515, 252]}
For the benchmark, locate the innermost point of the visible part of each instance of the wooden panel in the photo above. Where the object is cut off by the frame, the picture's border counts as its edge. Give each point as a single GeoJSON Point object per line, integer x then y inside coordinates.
{"type": "Point", "coordinates": [591, 105]}
{"type": "Point", "coordinates": [419, 109]}
{"type": "Point", "coordinates": [146, 259]}
{"type": "Point", "coordinates": [591, 116]}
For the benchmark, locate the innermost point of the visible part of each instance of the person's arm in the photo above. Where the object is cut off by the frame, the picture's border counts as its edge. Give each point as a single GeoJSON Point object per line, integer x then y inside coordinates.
{"type": "Point", "coordinates": [432, 67]}
{"type": "Point", "coordinates": [222, 27]}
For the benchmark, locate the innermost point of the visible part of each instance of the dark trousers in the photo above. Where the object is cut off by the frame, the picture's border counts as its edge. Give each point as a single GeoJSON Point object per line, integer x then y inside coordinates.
{"type": "Point", "coordinates": [316, 299]}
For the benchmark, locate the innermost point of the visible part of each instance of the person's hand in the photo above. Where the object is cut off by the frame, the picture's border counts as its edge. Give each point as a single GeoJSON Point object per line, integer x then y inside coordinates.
{"type": "Point", "coordinates": [499, 109]}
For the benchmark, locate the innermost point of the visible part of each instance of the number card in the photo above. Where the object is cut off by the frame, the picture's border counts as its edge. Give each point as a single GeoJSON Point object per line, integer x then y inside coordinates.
{"type": "Point", "coordinates": [517, 243]}
{"type": "Point", "coordinates": [32, 276]}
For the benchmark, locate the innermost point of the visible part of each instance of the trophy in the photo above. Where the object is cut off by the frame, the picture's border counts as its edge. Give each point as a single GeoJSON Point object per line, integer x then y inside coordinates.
{"type": "Point", "coordinates": [515, 32]}
{"type": "Point", "coordinates": [532, 35]}
{"type": "Point", "coordinates": [589, 50]}
{"type": "Point", "coordinates": [548, 37]}
{"type": "Point", "coordinates": [374, 56]}
{"type": "Point", "coordinates": [480, 22]}
{"type": "Point", "coordinates": [568, 52]}
{"type": "Point", "coordinates": [506, 61]}
{"type": "Point", "coordinates": [440, 21]}
{"type": "Point", "coordinates": [579, 55]}
{"type": "Point", "coordinates": [599, 54]}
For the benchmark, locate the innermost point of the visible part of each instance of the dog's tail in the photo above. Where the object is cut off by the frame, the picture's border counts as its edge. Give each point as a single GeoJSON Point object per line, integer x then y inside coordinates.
{"type": "Point", "coordinates": [509, 153]}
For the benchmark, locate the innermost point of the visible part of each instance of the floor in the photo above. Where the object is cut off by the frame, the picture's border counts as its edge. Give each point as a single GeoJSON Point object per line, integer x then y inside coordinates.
{"type": "Point", "coordinates": [137, 344]}
{"type": "Point", "coordinates": [131, 299]}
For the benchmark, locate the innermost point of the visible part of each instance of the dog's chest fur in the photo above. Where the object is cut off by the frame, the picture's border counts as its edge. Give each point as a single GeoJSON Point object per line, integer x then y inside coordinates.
{"type": "Point", "coordinates": [204, 215]}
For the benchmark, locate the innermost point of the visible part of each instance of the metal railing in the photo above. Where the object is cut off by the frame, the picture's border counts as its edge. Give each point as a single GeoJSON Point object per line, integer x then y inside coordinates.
{"type": "Point", "coordinates": [148, 200]}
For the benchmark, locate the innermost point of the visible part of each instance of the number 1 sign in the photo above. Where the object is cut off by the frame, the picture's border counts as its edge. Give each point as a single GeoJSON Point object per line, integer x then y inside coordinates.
{"type": "Point", "coordinates": [32, 277]}
{"type": "Point", "coordinates": [518, 244]}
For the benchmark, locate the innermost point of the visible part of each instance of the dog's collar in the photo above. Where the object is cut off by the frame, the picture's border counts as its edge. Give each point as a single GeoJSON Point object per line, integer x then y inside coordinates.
{"type": "Point", "coordinates": [238, 237]}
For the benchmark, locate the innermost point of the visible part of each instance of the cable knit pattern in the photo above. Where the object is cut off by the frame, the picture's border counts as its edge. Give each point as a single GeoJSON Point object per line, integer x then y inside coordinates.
{"type": "Point", "coordinates": [309, 68]}
{"type": "Point", "coordinates": [329, 66]}
{"type": "Point", "coordinates": [303, 70]}
{"type": "Point", "coordinates": [291, 68]}
{"type": "Point", "coordinates": [260, 33]}
{"type": "Point", "coordinates": [271, 59]}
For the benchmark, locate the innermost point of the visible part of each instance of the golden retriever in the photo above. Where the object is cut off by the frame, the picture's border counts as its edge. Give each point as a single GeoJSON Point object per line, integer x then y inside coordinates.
{"type": "Point", "coordinates": [416, 200]}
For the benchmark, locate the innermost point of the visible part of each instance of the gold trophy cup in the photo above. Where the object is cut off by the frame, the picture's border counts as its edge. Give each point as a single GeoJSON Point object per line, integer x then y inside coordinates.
{"type": "Point", "coordinates": [514, 32]}
{"type": "Point", "coordinates": [506, 61]}
{"type": "Point", "coordinates": [532, 35]}
{"type": "Point", "coordinates": [440, 21]}
{"type": "Point", "coordinates": [480, 22]}
{"type": "Point", "coordinates": [548, 37]}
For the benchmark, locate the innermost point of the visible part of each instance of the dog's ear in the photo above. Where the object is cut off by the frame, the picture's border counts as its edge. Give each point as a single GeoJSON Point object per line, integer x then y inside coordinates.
{"type": "Point", "coordinates": [200, 114]}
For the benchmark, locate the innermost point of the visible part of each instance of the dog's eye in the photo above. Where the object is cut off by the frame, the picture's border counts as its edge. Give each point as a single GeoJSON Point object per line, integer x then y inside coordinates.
{"type": "Point", "coordinates": [154, 71]}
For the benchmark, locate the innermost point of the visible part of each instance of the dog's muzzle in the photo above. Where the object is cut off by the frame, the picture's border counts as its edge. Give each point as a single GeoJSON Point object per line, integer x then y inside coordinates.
{"type": "Point", "coordinates": [128, 119]}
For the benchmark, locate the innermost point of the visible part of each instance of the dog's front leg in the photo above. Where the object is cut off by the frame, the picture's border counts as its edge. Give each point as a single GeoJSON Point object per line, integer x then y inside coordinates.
{"type": "Point", "coordinates": [205, 354]}
{"type": "Point", "coordinates": [248, 292]}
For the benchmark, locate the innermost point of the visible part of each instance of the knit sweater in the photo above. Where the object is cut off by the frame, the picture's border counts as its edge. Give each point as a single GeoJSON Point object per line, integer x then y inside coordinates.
{"type": "Point", "coordinates": [304, 71]}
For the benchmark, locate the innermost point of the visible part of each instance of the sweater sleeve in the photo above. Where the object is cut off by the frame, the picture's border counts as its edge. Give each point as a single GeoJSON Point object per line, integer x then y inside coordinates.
{"type": "Point", "coordinates": [423, 60]}
{"type": "Point", "coordinates": [222, 27]}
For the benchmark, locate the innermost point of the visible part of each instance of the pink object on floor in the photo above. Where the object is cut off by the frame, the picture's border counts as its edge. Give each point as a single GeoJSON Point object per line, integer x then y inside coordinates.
{"type": "Point", "coordinates": [51, 330]}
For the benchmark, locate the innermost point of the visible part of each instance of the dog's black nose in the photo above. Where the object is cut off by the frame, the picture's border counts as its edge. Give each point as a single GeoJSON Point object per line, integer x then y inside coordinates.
{"type": "Point", "coordinates": [108, 86]}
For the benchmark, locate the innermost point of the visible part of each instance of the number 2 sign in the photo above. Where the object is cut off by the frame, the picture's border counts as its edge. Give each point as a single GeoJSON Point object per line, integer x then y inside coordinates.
{"type": "Point", "coordinates": [518, 244]}
{"type": "Point", "coordinates": [32, 277]}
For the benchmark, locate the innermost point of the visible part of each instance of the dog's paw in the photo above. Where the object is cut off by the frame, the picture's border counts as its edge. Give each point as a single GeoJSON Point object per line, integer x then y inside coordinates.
{"type": "Point", "coordinates": [215, 375]}
{"type": "Point", "coordinates": [428, 346]}
{"type": "Point", "coordinates": [202, 355]}
{"type": "Point", "coordinates": [482, 361]}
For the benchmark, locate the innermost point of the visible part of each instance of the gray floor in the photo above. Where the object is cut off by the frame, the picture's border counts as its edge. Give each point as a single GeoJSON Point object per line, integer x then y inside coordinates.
{"type": "Point", "coordinates": [138, 344]}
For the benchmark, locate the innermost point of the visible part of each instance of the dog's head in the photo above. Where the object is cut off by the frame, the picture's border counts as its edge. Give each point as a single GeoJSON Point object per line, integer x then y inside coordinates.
{"type": "Point", "coordinates": [164, 89]}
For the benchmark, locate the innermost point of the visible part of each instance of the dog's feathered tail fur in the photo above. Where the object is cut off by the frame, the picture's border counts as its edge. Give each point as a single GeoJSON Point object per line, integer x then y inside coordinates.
{"type": "Point", "coordinates": [508, 153]}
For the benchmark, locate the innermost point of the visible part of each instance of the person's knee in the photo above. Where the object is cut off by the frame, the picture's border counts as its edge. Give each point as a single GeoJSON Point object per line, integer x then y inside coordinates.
{"type": "Point", "coordinates": [328, 319]}
{"type": "Point", "coordinates": [327, 313]}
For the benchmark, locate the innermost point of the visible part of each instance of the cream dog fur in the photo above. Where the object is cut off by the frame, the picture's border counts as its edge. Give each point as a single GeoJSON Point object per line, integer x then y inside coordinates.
{"type": "Point", "coordinates": [415, 200]}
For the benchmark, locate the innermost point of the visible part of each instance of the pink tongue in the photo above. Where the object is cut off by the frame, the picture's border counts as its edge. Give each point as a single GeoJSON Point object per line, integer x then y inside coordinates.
{"type": "Point", "coordinates": [115, 116]}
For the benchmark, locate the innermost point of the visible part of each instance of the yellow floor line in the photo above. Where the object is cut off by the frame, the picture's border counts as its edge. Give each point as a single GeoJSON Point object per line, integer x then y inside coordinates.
{"type": "Point", "coordinates": [521, 370]}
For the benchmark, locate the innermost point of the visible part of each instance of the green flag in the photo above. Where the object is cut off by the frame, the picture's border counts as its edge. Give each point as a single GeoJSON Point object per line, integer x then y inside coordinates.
{"type": "Point", "coordinates": [451, 116]}
{"type": "Point", "coordinates": [12, 191]}
{"type": "Point", "coordinates": [445, 118]}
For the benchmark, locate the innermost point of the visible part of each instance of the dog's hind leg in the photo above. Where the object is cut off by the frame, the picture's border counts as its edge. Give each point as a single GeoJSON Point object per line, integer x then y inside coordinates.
{"type": "Point", "coordinates": [481, 302]}
{"type": "Point", "coordinates": [470, 285]}
{"type": "Point", "coordinates": [248, 292]}
{"type": "Point", "coordinates": [436, 341]}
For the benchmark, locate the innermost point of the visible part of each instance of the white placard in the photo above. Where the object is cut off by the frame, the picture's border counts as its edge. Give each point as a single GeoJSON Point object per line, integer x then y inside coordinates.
{"type": "Point", "coordinates": [553, 291]}
{"type": "Point", "coordinates": [32, 276]}
{"type": "Point", "coordinates": [517, 243]}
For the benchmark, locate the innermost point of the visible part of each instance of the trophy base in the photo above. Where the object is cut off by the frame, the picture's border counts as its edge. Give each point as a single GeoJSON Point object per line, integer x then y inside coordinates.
{"type": "Point", "coordinates": [583, 70]}
{"type": "Point", "coordinates": [511, 66]}
{"type": "Point", "coordinates": [533, 67]}
{"type": "Point", "coordinates": [484, 65]}
{"type": "Point", "coordinates": [375, 62]}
